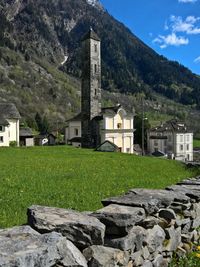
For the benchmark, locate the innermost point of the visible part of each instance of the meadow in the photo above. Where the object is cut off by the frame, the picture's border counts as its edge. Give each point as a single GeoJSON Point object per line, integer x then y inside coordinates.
{"type": "Point", "coordinates": [74, 178]}
{"type": "Point", "coordinates": [196, 143]}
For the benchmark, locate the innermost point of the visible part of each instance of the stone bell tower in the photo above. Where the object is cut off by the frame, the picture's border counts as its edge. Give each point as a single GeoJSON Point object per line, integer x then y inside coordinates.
{"type": "Point", "coordinates": [90, 88]}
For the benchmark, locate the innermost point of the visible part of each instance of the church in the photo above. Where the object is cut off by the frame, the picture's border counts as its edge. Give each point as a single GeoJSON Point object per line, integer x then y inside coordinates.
{"type": "Point", "coordinates": [96, 126]}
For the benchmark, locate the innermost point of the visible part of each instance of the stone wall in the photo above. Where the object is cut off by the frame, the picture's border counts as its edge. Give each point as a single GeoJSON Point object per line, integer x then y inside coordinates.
{"type": "Point", "coordinates": [141, 228]}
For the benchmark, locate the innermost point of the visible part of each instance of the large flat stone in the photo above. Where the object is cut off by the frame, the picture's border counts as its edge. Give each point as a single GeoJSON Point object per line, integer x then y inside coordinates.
{"type": "Point", "coordinates": [151, 206]}
{"type": "Point", "coordinates": [149, 199]}
{"type": "Point", "coordinates": [119, 219]}
{"type": "Point", "coordinates": [186, 190]}
{"type": "Point", "coordinates": [24, 247]}
{"type": "Point", "coordinates": [81, 229]}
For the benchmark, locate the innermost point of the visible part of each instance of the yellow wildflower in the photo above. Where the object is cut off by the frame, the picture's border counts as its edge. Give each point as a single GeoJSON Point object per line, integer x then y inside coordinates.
{"type": "Point", "coordinates": [198, 248]}
{"type": "Point", "coordinates": [198, 255]}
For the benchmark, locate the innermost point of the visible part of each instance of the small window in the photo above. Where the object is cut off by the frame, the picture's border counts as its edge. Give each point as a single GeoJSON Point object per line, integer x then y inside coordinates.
{"type": "Point", "coordinates": [1, 139]}
{"type": "Point", "coordinates": [188, 157]}
{"type": "Point", "coordinates": [76, 132]}
{"type": "Point", "coordinates": [181, 147]}
{"type": "Point", "coordinates": [188, 147]}
{"type": "Point", "coordinates": [95, 68]}
{"type": "Point", "coordinates": [119, 126]}
{"type": "Point", "coordinates": [1, 128]}
{"type": "Point", "coordinates": [95, 48]}
{"type": "Point", "coordinates": [188, 138]}
{"type": "Point", "coordinates": [95, 92]}
{"type": "Point", "coordinates": [181, 138]}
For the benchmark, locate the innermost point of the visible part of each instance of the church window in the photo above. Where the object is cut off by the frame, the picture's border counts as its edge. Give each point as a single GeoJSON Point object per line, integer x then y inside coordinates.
{"type": "Point", "coordinates": [76, 132]}
{"type": "Point", "coordinates": [95, 48]}
{"type": "Point", "coordinates": [181, 147]}
{"type": "Point", "coordinates": [1, 139]}
{"type": "Point", "coordinates": [119, 125]}
{"type": "Point", "coordinates": [1, 128]}
{"type": "Point", "coordinates": [95, 68]}
{"type": "Point", "coordinates": [188, 147]}
{"type": "Point", "coordinates": [95, 92]}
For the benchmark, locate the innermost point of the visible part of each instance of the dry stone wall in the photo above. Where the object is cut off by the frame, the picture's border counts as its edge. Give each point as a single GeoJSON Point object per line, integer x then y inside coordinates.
{"type": "Point", "coordinates": [141, 228]}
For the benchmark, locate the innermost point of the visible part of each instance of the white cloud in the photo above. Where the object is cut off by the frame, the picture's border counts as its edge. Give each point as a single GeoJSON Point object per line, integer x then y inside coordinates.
{"type": "Point", "coordinates": [171, 39]}
{"type": "Point", "coordinates": [187, 1]}
{"type": "Point", "coordinates": [197, 60]}
{"type": "Point", "coordinates": [188, 26]}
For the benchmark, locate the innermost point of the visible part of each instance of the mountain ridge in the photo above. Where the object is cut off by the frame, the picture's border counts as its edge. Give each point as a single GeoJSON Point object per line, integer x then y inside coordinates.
{"type": "Point", "coordinates": [40, 54]}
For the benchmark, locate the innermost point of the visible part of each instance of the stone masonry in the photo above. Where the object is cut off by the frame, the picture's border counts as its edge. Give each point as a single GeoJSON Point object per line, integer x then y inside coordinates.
{"type": "Point", "coordinates": [141, 228]}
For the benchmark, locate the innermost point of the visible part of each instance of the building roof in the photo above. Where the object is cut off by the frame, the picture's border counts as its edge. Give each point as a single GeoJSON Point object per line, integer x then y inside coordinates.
{"type": "Point", "coordinates": [25, 132]}
{"type": "Point", "coordinates": [158, 153]}
{"type": "Point", "coordinates": [91, 35]}
{"type": "Point", "coordinates": [107, 146]}
{"type": "Point", "coordinates": [172, 125]}
{"type": "Point", "coordinates": [9, 111]}
{"type": "Point", "coordinates": [3, 122]}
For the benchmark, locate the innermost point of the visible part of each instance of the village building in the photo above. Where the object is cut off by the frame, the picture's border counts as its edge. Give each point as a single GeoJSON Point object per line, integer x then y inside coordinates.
{"type": "Point", "coordinates": [9, 124]}
{"type": "Point", "coordinates": [172, 139]}
{"type": "Point", "coordinates": [95, 125]}
{"type": "Point", "coordinates": [26, 137]}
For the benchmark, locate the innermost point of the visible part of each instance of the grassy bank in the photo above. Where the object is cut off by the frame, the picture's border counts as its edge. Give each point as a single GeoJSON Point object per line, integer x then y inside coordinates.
{"type": "Point", "coordinates": [74, 178]}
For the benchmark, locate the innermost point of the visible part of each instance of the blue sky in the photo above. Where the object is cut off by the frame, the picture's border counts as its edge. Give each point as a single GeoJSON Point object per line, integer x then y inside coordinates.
{"type": "Point", "coordinates": [170, 27]}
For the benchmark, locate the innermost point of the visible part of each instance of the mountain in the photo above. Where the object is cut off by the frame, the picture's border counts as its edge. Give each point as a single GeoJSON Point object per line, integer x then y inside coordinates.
{"type": "Point", "coordinates": [40, 58]}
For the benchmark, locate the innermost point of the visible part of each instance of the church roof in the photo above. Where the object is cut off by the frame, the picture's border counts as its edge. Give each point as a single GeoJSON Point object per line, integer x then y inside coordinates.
{"type": "Point", "coordinates": [9, 111]}
{"type": "Point", "coordinates": [3, 122]}
{"type": "Point", "coordinates": [91, 35]}
{"type": "Point", "coordinates": [78, 117]}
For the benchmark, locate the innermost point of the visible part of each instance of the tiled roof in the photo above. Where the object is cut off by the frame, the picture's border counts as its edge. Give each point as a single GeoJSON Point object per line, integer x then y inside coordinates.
{"type": "Point", "coordinates": [24, 132]}
{"type": "Point", "coordinates": [3, 122]}
{"type": "Point", "coordinates": [9, 111]}
{"type": "Point", "coordinates": [172, 125]}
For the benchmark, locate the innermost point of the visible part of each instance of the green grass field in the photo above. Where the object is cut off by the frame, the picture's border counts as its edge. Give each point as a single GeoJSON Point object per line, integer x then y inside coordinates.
{"type": "Point", "coordinates": [74, 178]}
{"type": "Point", "coordinates": [196, 143]}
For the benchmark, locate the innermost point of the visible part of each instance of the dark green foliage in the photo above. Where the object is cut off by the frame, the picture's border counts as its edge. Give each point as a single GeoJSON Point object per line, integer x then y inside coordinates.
{"type": "Point", "coordinates": [42, 123]}
{"type": "Point", "coordinates": [138, 130]}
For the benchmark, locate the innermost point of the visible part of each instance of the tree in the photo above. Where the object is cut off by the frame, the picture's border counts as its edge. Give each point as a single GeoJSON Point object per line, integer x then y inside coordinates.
{"type": "Point", "coordinates": [138, 132]}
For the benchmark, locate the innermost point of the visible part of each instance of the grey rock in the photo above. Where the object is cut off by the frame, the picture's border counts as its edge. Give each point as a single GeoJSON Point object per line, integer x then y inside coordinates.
{"type": "Point", "coordinates": [160, 262]}
{"type": "Point", "coordinates": [133, 241]}
{"type": "Point", "coordinates": [151, 206]}
{"type": "Point", "coordinates": [163, 196]}
{"type": "Point", "coordinates": [137, 258]}
{"type": "Point", "coordinates": [145, 253]}
{"type": "Point", "coordinates": [22, 246]}
{"type": "Point", "coordinates": [149, 222]}
{"type": "Point", "coordinates": [155, 238]}
{"type": "Point", "coordinates": [187, 191]}
{"type": "Point", "coordinates": [81, 229]}
{"type": "Point", "coordinates": [147, 264]}
{"type": "Point", "coordinates": [124, 243]}
{"type": "Point", "coordinates": [99, 256]}
{"type": "Point", "coordinates": [173, 238]}
{"type": "Point", "coordinates": [119, 219]}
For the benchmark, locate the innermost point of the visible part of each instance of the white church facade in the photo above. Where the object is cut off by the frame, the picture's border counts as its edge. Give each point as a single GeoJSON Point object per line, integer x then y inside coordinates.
{"type": "Point", "coordinates": [95, 125]}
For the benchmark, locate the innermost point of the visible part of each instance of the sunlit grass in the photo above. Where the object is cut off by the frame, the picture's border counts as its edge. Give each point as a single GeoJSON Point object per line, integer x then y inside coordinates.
{"type": "Point", "coordinates": [74, 178]}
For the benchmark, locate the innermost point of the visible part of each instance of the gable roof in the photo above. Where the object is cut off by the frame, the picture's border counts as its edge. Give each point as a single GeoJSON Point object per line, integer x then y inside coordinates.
{"type": "Point", "coordinates": [107, 146]}
{"type": "Point", "coordinates": [25, 132]}
{"type": "Point", "coordinates": [172, 125]}
{"type": "Point", "coordinates": [9, 111]}
{"type": "Point", "coordinates": [91, 35]}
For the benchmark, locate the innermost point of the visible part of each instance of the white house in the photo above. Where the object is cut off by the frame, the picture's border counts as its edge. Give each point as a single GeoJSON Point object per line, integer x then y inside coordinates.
{"type": "Point", "coordinates": [9, 124]}
{"type": "Point", "coordinates": [116, 126]}
{"type": "Point", "coordinates": [95, 125]}
{"type": "Point", "coordinates": [173, 138]}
